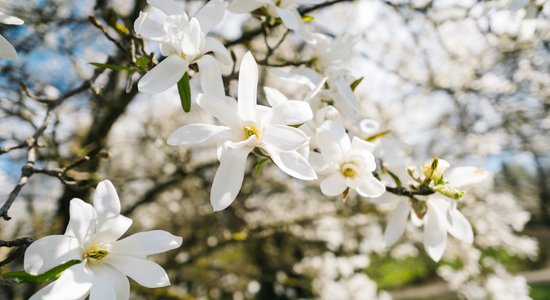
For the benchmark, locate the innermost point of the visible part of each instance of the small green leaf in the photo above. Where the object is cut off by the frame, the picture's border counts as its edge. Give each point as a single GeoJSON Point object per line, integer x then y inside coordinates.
{"type": "Point", "coordinates": [307, 19]}
{"type": "Point", "coordinates": [259, 165]}
{"type": "Point", "coordinates": [112, 67]}
{"type": "Point", "coordinates": [185, 92]}
{"type": "Point", "coordinates": [54, 273]}
{"type": "Point", "coordinates": [143, 63]}
{"type": "Point", "coordinates": [373, 138]}
{"type": "Point", "coordinates": [354, 84]}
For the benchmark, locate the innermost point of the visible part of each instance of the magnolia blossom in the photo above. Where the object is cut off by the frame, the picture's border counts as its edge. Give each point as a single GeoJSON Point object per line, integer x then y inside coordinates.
{"type": "Point", "coordinates": [6, 49]}
{"type": "Point", "coordinates": [183, 41]}
{"type": "Point", "coordinates": [284, 9]}
{"type": "Point", "coordinates": [441, 216]}
{"type": "Point", "coordinates": [348, 164]}
{"type": "Point", "coordinates": [330, 52]}
{"type": "Point", "coordinates": [248, 126]}
{"type": "Point", "coordinates": [92, 237]}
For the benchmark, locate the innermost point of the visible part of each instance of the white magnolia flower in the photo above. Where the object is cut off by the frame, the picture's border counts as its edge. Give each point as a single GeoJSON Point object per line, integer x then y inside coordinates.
{"type": "Point", "coordinates": [6, 49]}
{"type": "Point", "coordinates": [348, 164]}
{"type": "Point", "coordinates": [330, 52]}
{"type": "Point", "coordinates": [287, 10]}
{"type": "Point", "coordinates": [441, 215]}
{"type": "Point", "coordinates": [183, 41]}
{"type": "Point", "coordinates": [92, 237]}
{"type": "Point", "coordinates": [248, 126]}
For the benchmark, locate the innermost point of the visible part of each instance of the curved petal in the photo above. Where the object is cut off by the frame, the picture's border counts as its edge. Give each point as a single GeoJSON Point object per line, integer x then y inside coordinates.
{"type": "Point", "coordinates": [229, 178]}
{"type": "Point", "coordinates": [169, 7]}
{"type": "Point", "coordinates": [144, 272]}
{"type": "Point", "coordinates": [49, 252]}
{"type": "Point", "coordinates": [291, 112]}
{"type": "Point", "coordinates": [210, 77]}
{"type": "Point", "coordinates": [459, 227]}
{"type": "Point", "coordinates": [293, 164]}
{"type": "Point", "coordinates": [210, 15]}
{"type": "Point", "coordinates": [372, 188]}
{"type": "Point", "coordinates": [333, 185]}
{"type": "Point", "coordinates": [82, 224]}
{"type": "Point", "coordinates": [74, 283]}
{"type": "Point", "coordinates": [163, 76]}
{"type": "Point", "coordinates": [218, 49]}
{"type": "Point", "coordinates": [284, 138]}
{"type": "Point", "coordinates": [146, 243]}
{"type": "Point", "coordinates": [274, 96]}
{"type": "Point", "coordinates": [348, 103]}
{"type": "Point", "coordinates": [106, 201]}
{"type": "Point", "coordinates": [220, 109]}
{"type": "Point", "coordinates": [319, 164]}
{"type": "Point", "coordinates": [397, 224]}
{"type": "Point", "coordinates": [10, 20]}
{"type": "Point", "coordinates": [244, 6]}
{"type": "Point", "coordinates": [362, 145]}
{"type": "Point", "coordinates": [462, 176]}
{"type": "Point", "coordinates": [435, 231]}
{"type": "Point", "coordinates": [112, 229]}
{"type": "Point", "coordinates": [6, 49]}
{"type": "Point", "coordinates": [290, 17]}
{"type": "Point", "coordinates": [248, 81]}
{"type": "Point", "coordinates": [194, 134]}
{"type": "Point", "coordinates": [148, 28]}
{"type": "Point", "coordinates": [333, 140]}
{"type": "Point", "coordinates": [109, 283]}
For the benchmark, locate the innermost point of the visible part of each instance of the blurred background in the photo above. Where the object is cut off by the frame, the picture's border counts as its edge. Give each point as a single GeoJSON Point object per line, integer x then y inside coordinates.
{"type": "Point", "coordinates": [468, 81]}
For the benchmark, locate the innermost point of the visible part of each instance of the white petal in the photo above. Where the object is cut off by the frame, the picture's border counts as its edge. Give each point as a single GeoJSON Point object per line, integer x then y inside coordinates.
{"type": "Point", "coordinates": [459, 227]}
{"type": "Point", "coordinates": [10, 20]}
{"type": "Point", "coordinates": [333, 185]}
{"type": "Point", "coordinates": [146, 273]}
{"type": "Point", "coordinates": [248, 81]}
{"type": "Point", "coordinates": [397, 224]}
{"type": "Point", "coordinates": [462, 176]}
{"type": "Point", "coordinates": [218, 49]}
{"type": "Point", "coordinates": [291, 112]}
{"type": "Point", "coordinates": [316, 90]}
{"type": "Point", "coordinates": [82, 223]}
{"type": "Point", "coordinates": [106, 202]}
{"type": "Point", "coordinates": [210, 15]}
{"type": "Point", "coordinates": [148, 28]}
{"type": "Point", "coordinates": [210, 77]}
{"type": "Point", "coordinates": [333, 140]}
{"type": "Point", "coordinates": [146, 243]}
{"type": "Point", "coordinates": [109, 283]}
{"type": "Point", "coordinates": [293, 164]}
{"type": "Point", "coordinates": [304, 76]}
{"type": "Point", "coordinates": [164, 75]}
{"type": "Point", "coordinates": [244, 6]}
{"type": "Point", "coordinates": [435, 231]}
{"type": "Point", "coordinates": [112, 229]}
{"type": "Point", "coordinates": [169, 7]}
{"type": "Point", "coordinates": [6, 49]}
{"type": "Point", "coordinates": [347, 102]}
{"type": "Point", "coordinates": [49, 252]}
{"type": "Point", "coordinates": [360, 144]}
{"type": "Point", "coordinates": [274, 96]}
{"type": "Point", "coordinates": [372, 188]}
{"type": "Point", "coordinates": [194, 134]}
{"type": "Point", "coordinates": [74, 283]}
{"type": "Point", "coordinates": [284, 138]}
{"type": "Point", "coordinates": [290, 17]}
{"type": "Point", "coordinates": [248, 144]}
{"type": "Point", "coordinates": [229, 178]}
{"type": "Point", "coordinates": [319, 163]}
{"type": "Point", "coordinates": [220, 109]}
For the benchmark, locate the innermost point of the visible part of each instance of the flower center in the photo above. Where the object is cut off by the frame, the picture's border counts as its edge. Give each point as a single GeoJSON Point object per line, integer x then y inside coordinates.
{"type": "Point", "coordinates": [97, 252]}
{"type": "Point", "coordinates": [349, 169]}
{"type": "Point", "coordinates": [250, 131]}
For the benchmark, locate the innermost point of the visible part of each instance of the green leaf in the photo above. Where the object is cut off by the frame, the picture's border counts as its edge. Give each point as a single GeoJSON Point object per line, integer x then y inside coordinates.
{"type": "Point", "coordinates": [259, 165]}
{"type": "Point", "coordinates": [112, 67]}
{"type": "Point", "coordinates": [143, 63]}
{"type": "Point", "coordinates": [354, 84]}
{"type": "Point", "coordinates": [377, 136]}
{"type": "Point", "coordinates": [185, 92]}
{"type": "Point", "coordinates": [307, 19]}
{"type": "Point", "coordinates": [54, 273]}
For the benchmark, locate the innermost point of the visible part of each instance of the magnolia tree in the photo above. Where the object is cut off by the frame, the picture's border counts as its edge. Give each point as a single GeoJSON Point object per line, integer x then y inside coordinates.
{"type": "Point", "coordinates": [286, 149]}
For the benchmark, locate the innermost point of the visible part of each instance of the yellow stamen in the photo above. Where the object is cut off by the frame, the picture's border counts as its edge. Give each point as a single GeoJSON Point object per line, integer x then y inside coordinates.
{"type": "Point", "coordinates": [96, 253]}
{"type": "Point", "coordinates": [250, 131]}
